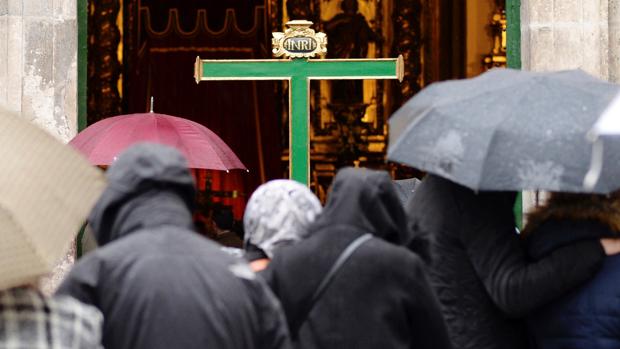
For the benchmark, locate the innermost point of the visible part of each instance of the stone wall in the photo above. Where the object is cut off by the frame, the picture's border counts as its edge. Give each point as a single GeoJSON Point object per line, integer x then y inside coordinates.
{"type": "Point", "coordinates": [565, 34]}
{"type": "Point", "coordinates": [38, 74]}
{"type": "Point", "coordinates": [38, 62]}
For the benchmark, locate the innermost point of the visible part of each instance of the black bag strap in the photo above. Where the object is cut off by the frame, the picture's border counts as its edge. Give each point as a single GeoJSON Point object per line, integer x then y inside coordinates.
{"type": "Point", "coordinates": [344, 256]}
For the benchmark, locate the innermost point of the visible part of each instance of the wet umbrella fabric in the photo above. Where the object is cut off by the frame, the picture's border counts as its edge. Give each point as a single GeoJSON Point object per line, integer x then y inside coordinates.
{"type": "Point", "coordinates": [605, 137]}
{"type": "Point", "coordinates": [46, 192]}
{"type": "Point", "coordinates": [405, 188]}
{"type": "Point", "coordinates": [505, 130]}
{"type": "Point", "coordinates": [104, 140]}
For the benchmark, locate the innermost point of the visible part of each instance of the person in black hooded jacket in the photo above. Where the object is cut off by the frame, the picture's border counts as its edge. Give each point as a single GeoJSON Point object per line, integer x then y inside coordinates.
{"type": "Point", "coordinates": [380, 297]}
{"type": "Point", "coordinates": [157, 282]}
{"type": "Point", "coordinates": [480, 272]}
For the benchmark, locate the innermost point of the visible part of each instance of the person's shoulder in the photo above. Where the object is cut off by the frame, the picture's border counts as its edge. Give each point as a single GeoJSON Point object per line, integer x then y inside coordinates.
{"type": "Point", "coordinates": [70, 314]}
{"type": "Point", "coordinates": [68, 304]}
{"type": "Point", "coordinates": [400, 265]}
{"type": "Point", "coordinates": [68, 308]}
{"type": "Point", "coordinates": [110, 251]}
{"type": "Point", "coordinates": [391, 253]}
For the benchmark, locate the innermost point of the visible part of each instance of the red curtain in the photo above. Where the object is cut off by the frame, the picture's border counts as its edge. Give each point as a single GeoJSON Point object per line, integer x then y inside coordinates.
{"type": "Point", "coordinates": [162, 41]}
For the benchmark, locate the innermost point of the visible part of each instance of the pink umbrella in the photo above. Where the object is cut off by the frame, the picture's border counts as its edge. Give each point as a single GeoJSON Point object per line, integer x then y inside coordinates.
{"type": "Point", "coordinates": [102, 141]}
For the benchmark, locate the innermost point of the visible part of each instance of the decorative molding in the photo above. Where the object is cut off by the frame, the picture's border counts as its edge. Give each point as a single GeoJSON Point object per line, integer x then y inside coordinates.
{"type": "Point", "coordinates": [274, 10]}
{"type": "Point", "coordinates": [104, 68]}
{"type": "Point", "coordinates": [407, 42]}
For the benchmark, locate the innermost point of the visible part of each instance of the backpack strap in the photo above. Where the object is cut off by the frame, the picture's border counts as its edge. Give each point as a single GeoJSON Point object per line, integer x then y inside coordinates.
{"type": "Point", "coordinates": [344, 256]}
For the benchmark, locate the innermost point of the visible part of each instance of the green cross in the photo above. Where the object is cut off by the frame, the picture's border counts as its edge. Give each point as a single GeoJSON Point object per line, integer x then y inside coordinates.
{"type": "Point", "coordinates": [299, 72]}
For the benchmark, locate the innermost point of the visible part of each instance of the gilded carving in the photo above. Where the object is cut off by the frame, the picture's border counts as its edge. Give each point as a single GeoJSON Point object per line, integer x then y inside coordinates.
{"type": "Point", "coordinates": [497, 57]}
{"type": "Point", "coordinates": [104, 68]}
{"type": "Point", "coordinates": [299, 41]}
{"type": "Point", "coordinates": [407, 28]}
{"type": "Point", "coordinates": [275, 14]}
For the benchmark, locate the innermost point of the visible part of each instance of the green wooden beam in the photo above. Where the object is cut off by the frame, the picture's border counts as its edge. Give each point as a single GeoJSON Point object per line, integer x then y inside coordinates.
{"type": "Point", "coordinates": [82, 82]}
{"type": "Point", "coordinates": [82, 63]}
{"type": "Point", "coordinates": [299, 129]}
{"type": "Point", "coordinates": [513, 33]}
{"type": "Point", "coordinates": [298, 72]}
{"type": "Point", "coordinates": [286, 69]}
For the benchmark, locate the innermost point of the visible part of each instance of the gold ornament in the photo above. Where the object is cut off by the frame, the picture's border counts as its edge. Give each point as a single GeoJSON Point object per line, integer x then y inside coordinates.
{"type": "Point", "coordinates": [299, 41]}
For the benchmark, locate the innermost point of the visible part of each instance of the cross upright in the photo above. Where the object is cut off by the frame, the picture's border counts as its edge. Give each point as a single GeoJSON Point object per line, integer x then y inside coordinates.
{"type": "Point", "coordinates": [298, 44]}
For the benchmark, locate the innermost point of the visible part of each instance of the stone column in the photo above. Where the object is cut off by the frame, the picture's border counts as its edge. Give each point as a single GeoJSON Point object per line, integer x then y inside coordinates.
{"type": "Point", "coordinates": [614, 40]}
{"type": "Point", "coordinates": [38, 62]}
{"type": "Point", "coordinates": [565, 34]}
{"type": "Point", "coordinates": [38, 74]}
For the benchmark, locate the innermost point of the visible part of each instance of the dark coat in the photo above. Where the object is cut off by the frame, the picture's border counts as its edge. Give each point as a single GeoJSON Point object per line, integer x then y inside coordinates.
{"type": "Point", "coordinates": [588, 316]}
{"type": "Point", "coordinates": [380, 298]}
{"type": "Point", "coordinates": [158, 283]}
{"type": "Point", "coordinates": [480, 272]}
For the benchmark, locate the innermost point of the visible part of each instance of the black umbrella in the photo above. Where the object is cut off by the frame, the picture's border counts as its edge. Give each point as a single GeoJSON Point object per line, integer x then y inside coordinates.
{"type": "Point", "coordinates": [506, 130]}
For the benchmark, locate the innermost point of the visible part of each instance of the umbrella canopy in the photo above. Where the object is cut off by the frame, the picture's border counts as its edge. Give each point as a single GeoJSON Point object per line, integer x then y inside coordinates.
{"type": "Point", "coordinates": [102, 141]}
{"type": "Point", "coordinates": [609, 123]}
{"type": "Point", "coordinates": [506, 130]}
{"type": "Point", "coordinates": [405, 188]}
{"type": "Point", "coordinates": [605, 135]}
{"type": "Point", "coordinates": [46, 192]}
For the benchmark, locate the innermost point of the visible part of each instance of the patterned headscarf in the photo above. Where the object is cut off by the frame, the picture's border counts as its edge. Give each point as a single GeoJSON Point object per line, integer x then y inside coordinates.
{"type": "Point", "coordinates": [279, 212]}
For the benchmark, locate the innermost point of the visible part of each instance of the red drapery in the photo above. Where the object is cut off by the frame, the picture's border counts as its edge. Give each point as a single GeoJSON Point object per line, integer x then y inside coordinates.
{"type": "Point", "coordinates": [162, 41]}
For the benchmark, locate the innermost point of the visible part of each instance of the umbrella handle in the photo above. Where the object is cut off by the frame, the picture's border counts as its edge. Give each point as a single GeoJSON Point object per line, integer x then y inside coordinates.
{"type": "Point", "coordinates": [596, 166]}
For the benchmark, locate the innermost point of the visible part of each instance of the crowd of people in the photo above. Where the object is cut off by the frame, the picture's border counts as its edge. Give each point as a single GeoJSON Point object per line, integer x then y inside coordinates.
{"type": "Point", "coordinates": [448, 269]}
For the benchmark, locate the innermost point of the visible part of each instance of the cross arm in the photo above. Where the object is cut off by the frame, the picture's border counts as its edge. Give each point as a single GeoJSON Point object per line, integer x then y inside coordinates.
{"type": "Point", "coordinates": [253, 69]}
{"type": "Point", "coordinates": [350, 69]}
{"type": "Point", "coordinates": [273, 69]}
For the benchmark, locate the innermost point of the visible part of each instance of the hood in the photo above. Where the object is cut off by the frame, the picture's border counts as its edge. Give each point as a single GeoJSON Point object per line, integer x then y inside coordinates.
{"type": "Point", "coordinates": [367, 200]}
{"type": "Point", "coordinates": [567, 217]}
{"type": "Point", "coordinates": [279, 212]}
{"type": "Point", "coordinates": [604, 209]}
{"type": "Point", "coordinates": [149, 185]}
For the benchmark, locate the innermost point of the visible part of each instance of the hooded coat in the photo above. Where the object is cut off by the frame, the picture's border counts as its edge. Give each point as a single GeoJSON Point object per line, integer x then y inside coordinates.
{"type": "Point", "coordinates": [157, 282]}
{"type": "Point", "coordinates": [480, 271]}
{"type": "Point", "coordinates": [380, 297]}
{"type": "Point", "coordinates": [588, 316]}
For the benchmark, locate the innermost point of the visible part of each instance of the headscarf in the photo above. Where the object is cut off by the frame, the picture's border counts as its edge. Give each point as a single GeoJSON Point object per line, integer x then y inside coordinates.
{"type": "Point", "coordinates": [279, 212]}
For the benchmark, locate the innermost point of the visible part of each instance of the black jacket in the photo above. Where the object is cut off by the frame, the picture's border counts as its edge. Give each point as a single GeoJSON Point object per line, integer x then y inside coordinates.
{"type": "Point", "coordinates": [480, 272]}
{"type": "Point", "coordinates": [159, 284]}
{"type": "Point", "coordinates": [380, 298]}
{"type": "Point", "coordinates": [589, 315]}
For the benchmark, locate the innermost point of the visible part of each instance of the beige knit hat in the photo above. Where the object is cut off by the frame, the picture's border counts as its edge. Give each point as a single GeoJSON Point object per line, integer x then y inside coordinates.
{"type": "Point", "coordinates": [46, 192]}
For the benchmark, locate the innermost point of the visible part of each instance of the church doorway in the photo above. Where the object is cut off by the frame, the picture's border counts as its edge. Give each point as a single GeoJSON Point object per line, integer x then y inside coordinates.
{"type": "Point", "coordinates": [143, 48]}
